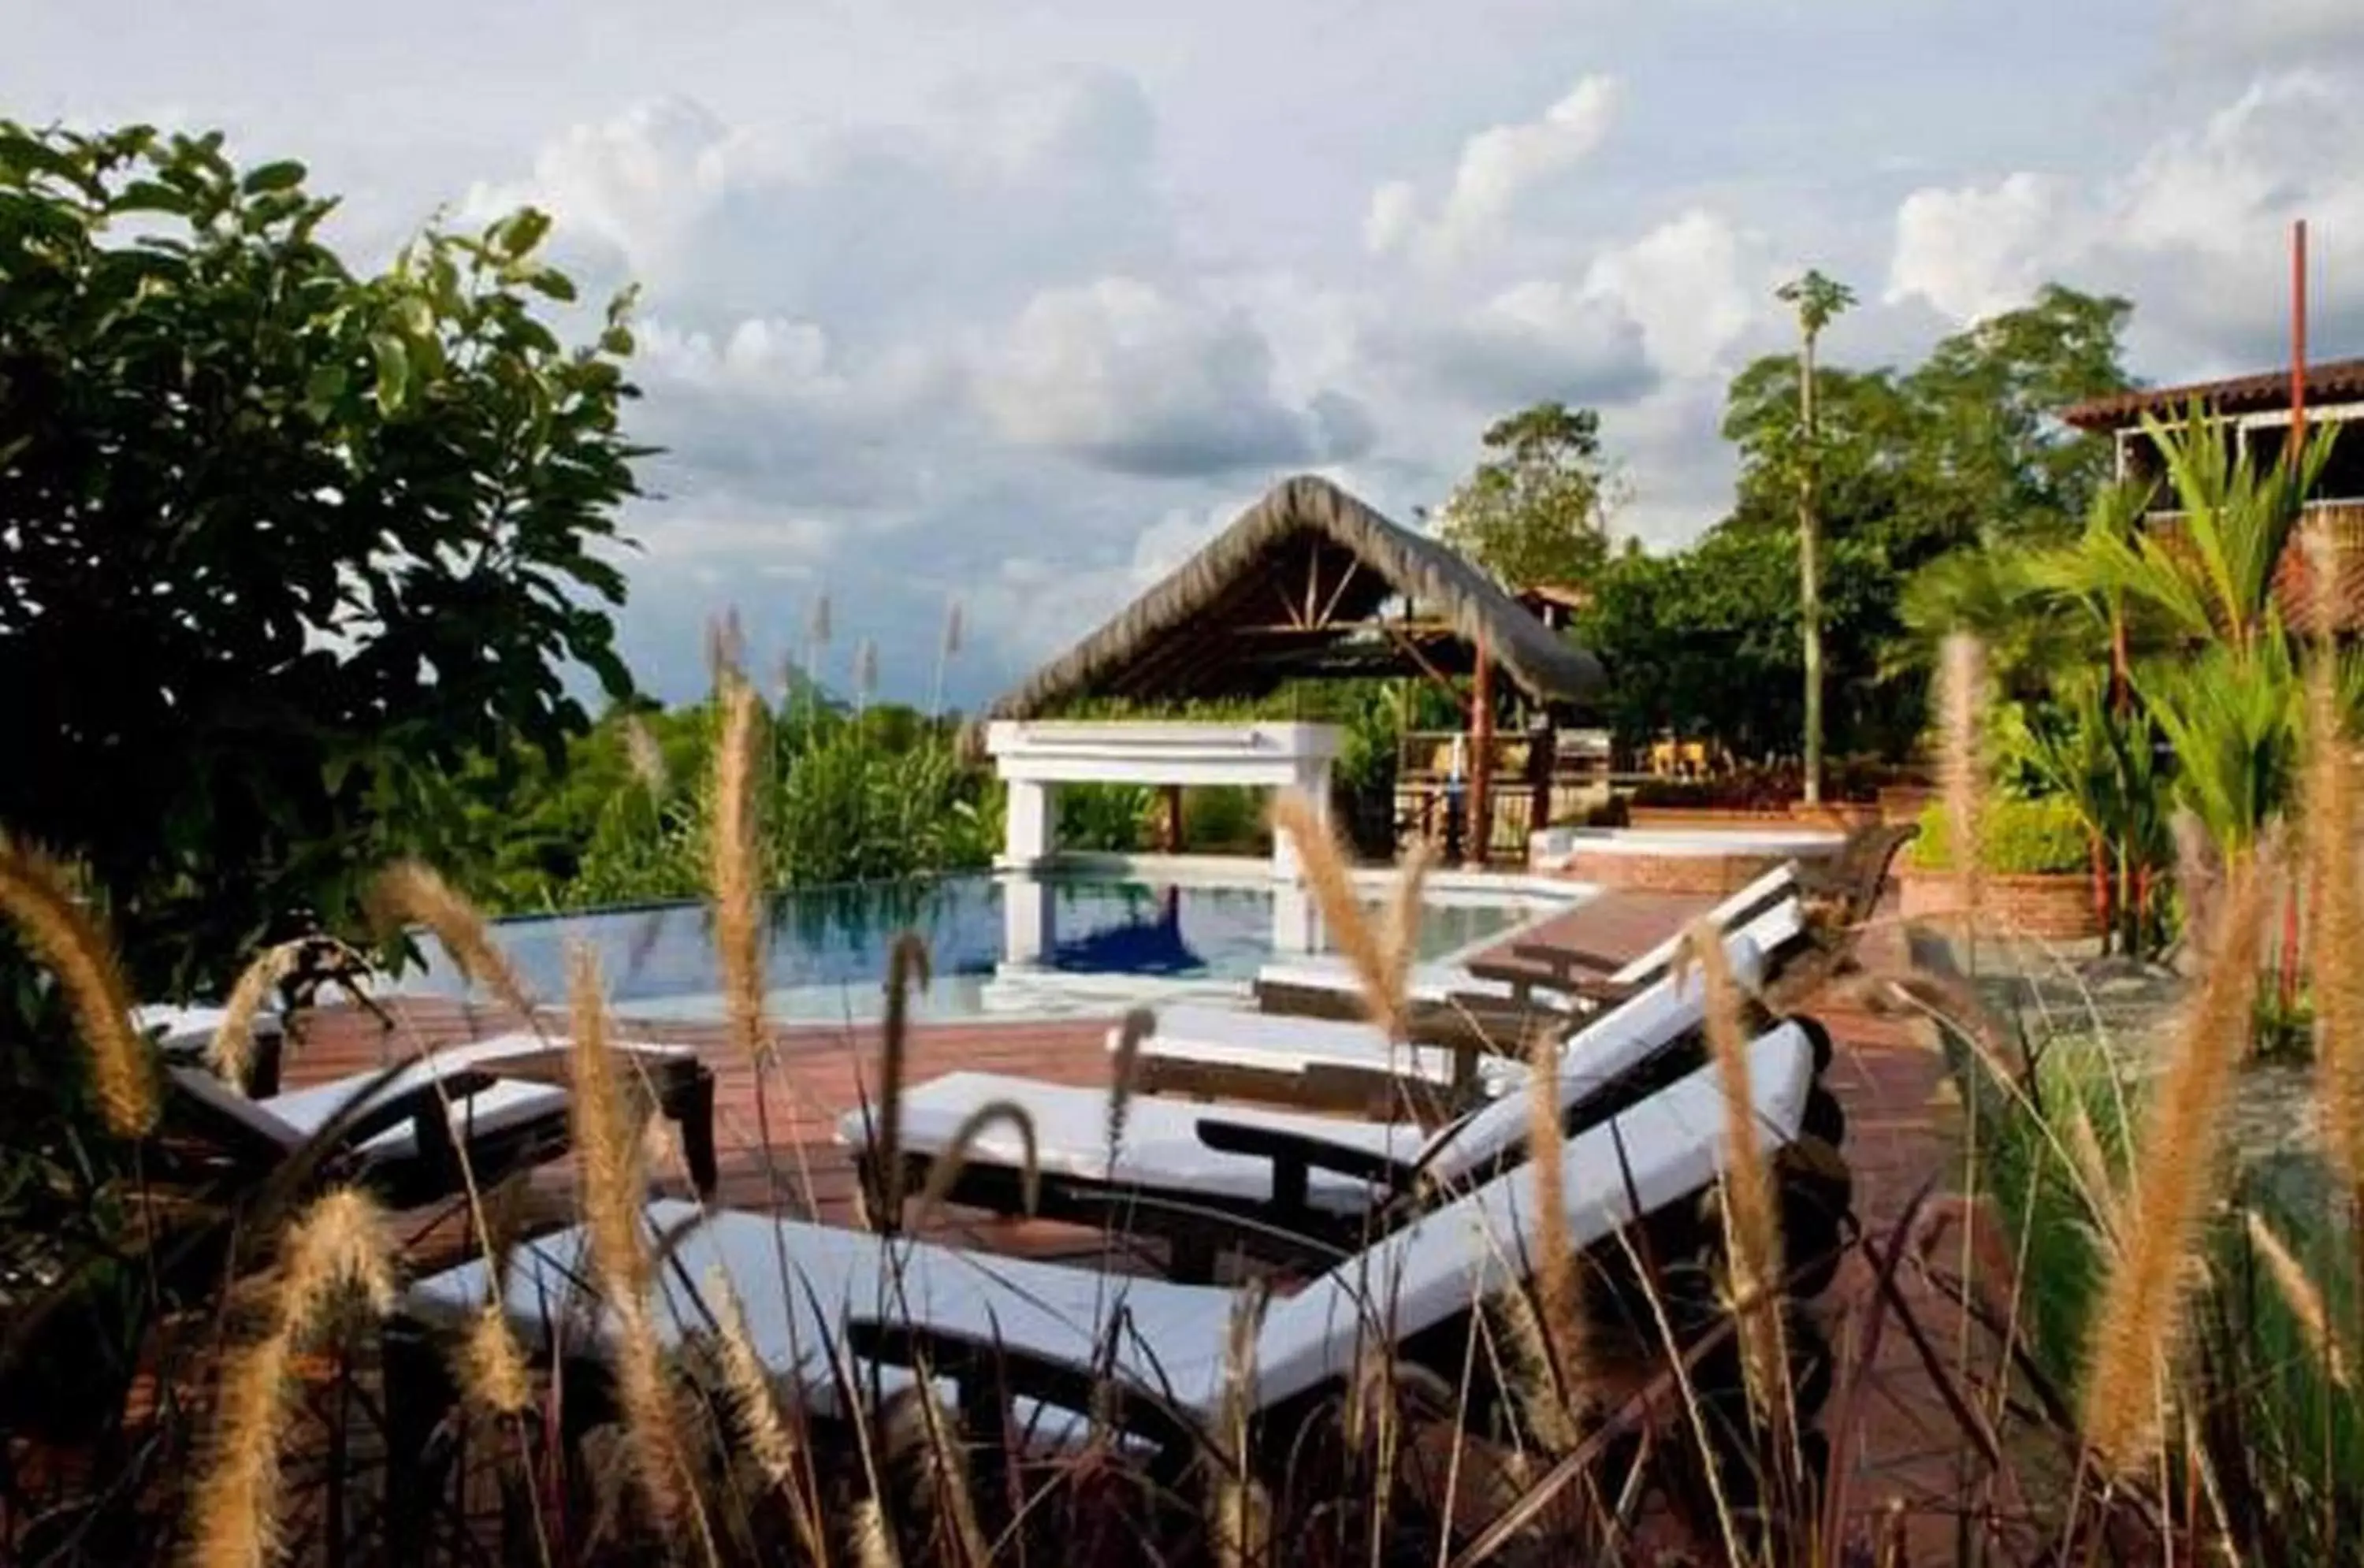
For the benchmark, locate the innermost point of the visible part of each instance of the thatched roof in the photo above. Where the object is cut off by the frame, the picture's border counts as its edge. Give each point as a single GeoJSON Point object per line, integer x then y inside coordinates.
{"type": "Point", "coordinates": [1291, 592]}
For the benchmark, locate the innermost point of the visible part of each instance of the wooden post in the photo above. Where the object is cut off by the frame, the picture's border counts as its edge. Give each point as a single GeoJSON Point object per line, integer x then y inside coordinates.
{"type": "Point", "coordinates": [1480, 840]}
{"type": "Point", "coordinates": [1172, 827]}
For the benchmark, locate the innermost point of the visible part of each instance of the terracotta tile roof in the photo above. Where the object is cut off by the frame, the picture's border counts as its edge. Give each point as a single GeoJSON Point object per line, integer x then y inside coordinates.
{"type": "Point", "coordinates": [2326, 379]}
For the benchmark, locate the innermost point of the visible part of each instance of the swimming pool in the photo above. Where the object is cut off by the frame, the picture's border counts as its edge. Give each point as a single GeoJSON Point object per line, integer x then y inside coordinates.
{"type": "Point", "coordinates": [1000, 945]}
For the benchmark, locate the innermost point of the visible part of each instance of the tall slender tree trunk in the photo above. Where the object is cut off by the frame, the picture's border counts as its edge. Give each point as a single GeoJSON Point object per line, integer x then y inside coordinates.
{"type": "Point", "coordinates": [1809, 578]}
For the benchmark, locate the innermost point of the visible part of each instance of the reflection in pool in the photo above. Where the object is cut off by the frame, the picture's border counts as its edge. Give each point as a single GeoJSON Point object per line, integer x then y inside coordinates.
{"type": "Point", "coordinates": [998, 943]}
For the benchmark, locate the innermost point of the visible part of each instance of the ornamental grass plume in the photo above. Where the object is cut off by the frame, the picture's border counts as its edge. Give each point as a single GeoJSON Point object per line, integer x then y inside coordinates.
{"type": "Point", "coordinates": [231, 1051]}
{"type": "Point", "coordinates": [492, 1365]}
{"type": "Point", "coordinates": [2299, 1293]}
{"type": "Point", "coordinates": [1559, 1288]}
{"type": "Point", "coordinates": [2137, 1326]}
{"type": "Point", "coordinates": [609, 1178]}
{"type": "Point", "coordinates": [1379, 970]}
{"type": "Point", "coordinates": [69, 934]}
{"type": "Point", "coordinates": [337, 1248]}
{"type": "Point", "coordinates": [1240, 1508]}
{"type": "Point", "coordinates": [413, 891]}
{"type": "Point", "coordinates": [907, 966]}
{"type": "Point", "coordinates": [646, 757]}
{"type": "Point", "coordinates": [944, 1171]}
{"type": "Point", "coordinates": [1124, 1070]}
{"type": "Point", "coordinates": [2336, 938]}
{"type": "Point", "coordinates": [732, 857]}
{"type": "Point", "coordinates": [1751, 1215]}
{"type": "Point", "coordinates": [1961, 700]}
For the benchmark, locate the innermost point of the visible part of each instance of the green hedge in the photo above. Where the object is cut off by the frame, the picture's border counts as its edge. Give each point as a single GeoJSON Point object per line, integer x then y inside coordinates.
{"type": "Point", "coordinates": [2019, 838]}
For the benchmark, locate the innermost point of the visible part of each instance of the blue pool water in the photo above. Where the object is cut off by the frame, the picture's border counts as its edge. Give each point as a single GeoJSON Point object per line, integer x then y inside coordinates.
{"type": "Point", "coordinates": [998, 944]}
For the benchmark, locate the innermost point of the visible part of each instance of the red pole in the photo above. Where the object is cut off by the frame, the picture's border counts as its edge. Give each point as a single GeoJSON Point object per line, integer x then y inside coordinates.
{"type": "Point", "coordinates": [2291, 451]}
{"type": "Point", "coordinates": [1480, 843]}
{"type": "Point", "coordinates": [2298, 340]}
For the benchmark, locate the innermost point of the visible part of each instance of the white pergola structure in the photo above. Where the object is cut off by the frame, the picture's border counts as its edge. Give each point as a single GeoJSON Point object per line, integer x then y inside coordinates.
{"type": "Point", "coordinates": [1033, 758]}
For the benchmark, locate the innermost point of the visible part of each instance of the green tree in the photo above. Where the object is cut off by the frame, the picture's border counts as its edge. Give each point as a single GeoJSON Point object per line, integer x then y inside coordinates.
{"type": "Point", "coordinates": [1706, 643]}
{"type": "Point", "coordinates": [1537, 507]}
{"type": "Point", "coordinates": [285, 544]}
{"type": "Point", "coordinates": [1990, 397]}
{"type": "Point", "coordinates": [1818, 301]}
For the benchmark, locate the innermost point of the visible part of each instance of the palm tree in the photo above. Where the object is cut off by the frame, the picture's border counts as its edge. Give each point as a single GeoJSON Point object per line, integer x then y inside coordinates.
{"type": "Point", "coordinates": [1818, 301]}
{"type": "Point", "coordinates": [2224, 681]}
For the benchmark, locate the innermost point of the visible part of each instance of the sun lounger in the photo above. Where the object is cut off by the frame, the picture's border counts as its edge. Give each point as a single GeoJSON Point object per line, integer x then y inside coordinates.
{"type": "Point", "coordinates": [824, 1307]}
{"type": "Point", "coordinates": [1355, 1068]}
{"type": "Point", "coordinates": [501, 1102]}
{"type": "Point", "coordinates": [1542, 976]}
{"type": "Point", "coordinates": [186, 1036]}
{"type": "Point", "coordinates": [1289, 1175]}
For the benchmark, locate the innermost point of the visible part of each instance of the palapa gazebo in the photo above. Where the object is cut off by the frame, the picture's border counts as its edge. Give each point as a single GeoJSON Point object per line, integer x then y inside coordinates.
{"type": "Point", "coordinates": [1309, 583]}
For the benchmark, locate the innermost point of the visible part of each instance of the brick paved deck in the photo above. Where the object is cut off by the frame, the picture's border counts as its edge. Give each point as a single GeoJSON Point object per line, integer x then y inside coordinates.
{"type": "Point", "coordinates": [1891, 1083]}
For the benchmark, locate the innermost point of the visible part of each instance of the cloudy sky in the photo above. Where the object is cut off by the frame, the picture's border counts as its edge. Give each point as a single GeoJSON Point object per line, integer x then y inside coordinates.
{"type": "Point", "coordinates": [1012, 302]}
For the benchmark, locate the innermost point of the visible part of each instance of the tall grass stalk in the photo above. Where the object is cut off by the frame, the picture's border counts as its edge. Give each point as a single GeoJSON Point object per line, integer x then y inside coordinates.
{"type": "Point", "coordinates": [2336, 940]}
{"type": "Point", "coordinates": [1751, 1217]}
{"type": "Point", "coordinates": [607, 1147]}
{"type": "Point", "coordinates": [413, 891]}
{"type": "Point", "coordinates": [1559, 1288]}
{"type": "Point", "coordinates": [335, 1248]}
{"type": "Point", "coordinates": [1379, 969]}
{"type": "Point", "coordinates": [231, 1051]}
{"type": "Point", "coordinates": [2140, 1322]}
{"type": "Point", "coordinates": [1961, 705]}
{"type": "Point", "coordinates": [733, 868]}
{"type": "Point", "coordinates": [69, 933]}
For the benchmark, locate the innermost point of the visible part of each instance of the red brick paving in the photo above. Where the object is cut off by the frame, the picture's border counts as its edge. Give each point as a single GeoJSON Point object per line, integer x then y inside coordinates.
{"type": "Point", "coordinates": [1891, 1084]}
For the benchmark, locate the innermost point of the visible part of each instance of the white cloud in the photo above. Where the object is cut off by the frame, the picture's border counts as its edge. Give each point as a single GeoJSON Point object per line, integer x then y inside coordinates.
{"type": "Point", "coordinates": [1691, 285]}
{"type": "Point", "coordinates": [1393, 216]}
{"type": "Point", "coordinates": [1009, 607]}
{"type": "Point", "coordinates": [1121, 375]}
{"type": "Point", "coordinates": [1532, 340]}
{"type": "Point", "coordinates": [1973, 251]}
{"type": "Point", "coordinates": [2195, 229]}
{"type": "Point", "coordinates": [1497, 168]}
{"type": "Point", "coordinates": [2266, 33]}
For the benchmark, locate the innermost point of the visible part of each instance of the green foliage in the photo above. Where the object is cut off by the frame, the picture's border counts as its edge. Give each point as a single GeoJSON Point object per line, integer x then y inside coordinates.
{"type": "Point", "coordinates": [306, 540]}
{"type": "Point", "coordinates": [2232, 726]}
{"type": "Point", "coordinates": [1223, 819]}
{"type": "Point", "coordinates": [838, 802]}
{"type": "Point", "coordinates": [1914, 471]}
{"type": "Point", "coordinates": [2230, 711]}
{"type": "Point", "coordinates": [1964, 447]}
{"type": "Point", "coordinates": [1706, 643]}
{"type": "Point", "coordinates": [2016, 837]}
{"type": "Point", "coordinates": [2102, 756]}
{"type": "Point", "coordinates": [2041, 1194]}
{"type": "Point", "coordinates": [1113, 817]}
{"type": "Point", "coordinates": [2281, 1434]}
{"type": "Point", "coordinates": [1536, 509]}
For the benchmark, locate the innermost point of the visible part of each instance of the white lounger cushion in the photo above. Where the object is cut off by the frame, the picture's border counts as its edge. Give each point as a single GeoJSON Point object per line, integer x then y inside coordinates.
{"type": "Point", "coordinates": [191, 1028]}
{"type": "Point", "coordinates": [1161, 1150]}
{"type": "Point", "coordinates": [1435, 983]}
{"type": "Point", "coordinates": [799, 1284]}
{"type": "Point", "coordinates": [1277, 1042]}
{"type": "Point", "coordinates": [1440, 982]}
{"type": "Point", "coordinates": [505, 1104]}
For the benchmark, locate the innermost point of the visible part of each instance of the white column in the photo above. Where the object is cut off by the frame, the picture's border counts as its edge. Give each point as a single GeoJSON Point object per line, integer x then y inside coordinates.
{"type": "Point", "coordinates": [1312, 781]}
{"type": "Point", "coordinates": [1028, 822]}
{"type": "Point", "coordinates": [1027, 932]}
{"type": "Point", "coordinates": [1296, 924]}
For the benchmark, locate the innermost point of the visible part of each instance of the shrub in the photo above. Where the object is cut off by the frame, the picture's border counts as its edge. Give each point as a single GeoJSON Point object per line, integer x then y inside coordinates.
{"type": "Point", "coordinates": [1223, 819]}
{"type": "Point", "coordinates": [2017, 837]}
